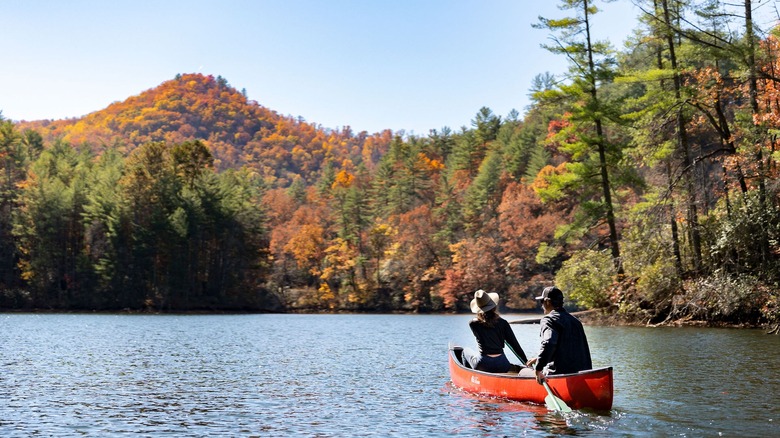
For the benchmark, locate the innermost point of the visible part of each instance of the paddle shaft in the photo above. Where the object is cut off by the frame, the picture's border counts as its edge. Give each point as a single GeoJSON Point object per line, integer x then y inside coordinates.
{"type": "Point", "coordinates": [515, 353]}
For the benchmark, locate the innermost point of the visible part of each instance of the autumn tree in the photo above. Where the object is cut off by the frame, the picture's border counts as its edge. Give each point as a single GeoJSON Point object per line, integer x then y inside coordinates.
{"type": "Point", "coordinates": [530, 251]}
{"type": "Point", "coordinates": [416, 264]}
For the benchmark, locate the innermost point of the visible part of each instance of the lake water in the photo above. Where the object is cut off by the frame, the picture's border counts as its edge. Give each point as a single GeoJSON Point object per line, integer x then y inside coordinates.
{"type": "Point", "coordinates": [356, 375]}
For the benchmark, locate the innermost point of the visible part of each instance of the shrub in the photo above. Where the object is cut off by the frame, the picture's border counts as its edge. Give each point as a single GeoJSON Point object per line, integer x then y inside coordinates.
{"type": "Point", "coordinates": [658, 281]}
{"type": "Point", "coordinates": [586, 278]}
{"type": "Point", "coordinates": [723, 298]}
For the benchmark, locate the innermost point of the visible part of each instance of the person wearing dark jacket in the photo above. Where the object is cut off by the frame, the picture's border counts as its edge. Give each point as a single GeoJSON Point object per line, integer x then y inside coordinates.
{"type": "Point", "coordinates": [564, 348]}
{"type": "Point", "coordinates": [492, 332]}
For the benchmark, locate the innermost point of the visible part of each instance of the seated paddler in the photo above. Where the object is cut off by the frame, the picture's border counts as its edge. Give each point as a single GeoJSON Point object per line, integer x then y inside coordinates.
{"type": "Point", "coordinates": [491, 332]}
{"type": "Point", "coordinates": [564, 348]}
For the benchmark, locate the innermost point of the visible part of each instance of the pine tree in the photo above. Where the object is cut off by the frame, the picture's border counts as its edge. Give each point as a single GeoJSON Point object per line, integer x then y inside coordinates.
{"type": "Point", "coordinates": [592, 66]}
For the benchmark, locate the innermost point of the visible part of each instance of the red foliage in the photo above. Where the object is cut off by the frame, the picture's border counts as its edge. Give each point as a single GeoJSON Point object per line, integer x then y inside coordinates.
{"type": "Point", "coordinates": [525, 223]}
{"type": "Point", "coordinates": [419, 253]}
{"type": "Point", "coordinates": [476, 265]}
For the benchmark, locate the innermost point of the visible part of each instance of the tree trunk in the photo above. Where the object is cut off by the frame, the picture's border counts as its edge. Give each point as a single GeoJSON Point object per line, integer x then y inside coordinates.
{"type": "Point", "coordinates": [605, 186]}
{"type": "Point", "coordinates": [753, 87]}
{"type": "Point", "coordinates": [684, 149]}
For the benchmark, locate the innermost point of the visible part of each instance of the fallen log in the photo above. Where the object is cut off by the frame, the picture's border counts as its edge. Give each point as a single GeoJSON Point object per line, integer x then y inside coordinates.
{"type": "Point", "coordinates": [536, 319]}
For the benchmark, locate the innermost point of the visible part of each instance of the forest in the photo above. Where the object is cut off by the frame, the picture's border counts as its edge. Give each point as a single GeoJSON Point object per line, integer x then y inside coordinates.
{"type": "Point", "coordinates": [643, 181]}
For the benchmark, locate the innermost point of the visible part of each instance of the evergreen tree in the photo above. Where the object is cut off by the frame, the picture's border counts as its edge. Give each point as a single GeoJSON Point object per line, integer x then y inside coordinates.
{"type": "Point", "coordinates": [592, 66]}
{"type": "Point", "coordinates": [484, 194]}
{"type": "Point", "coordinates": [9, 140]}
{"type": "Point", "coordinates": [49, 228]}
{"type": "Point", "coordinates": [108, 235]}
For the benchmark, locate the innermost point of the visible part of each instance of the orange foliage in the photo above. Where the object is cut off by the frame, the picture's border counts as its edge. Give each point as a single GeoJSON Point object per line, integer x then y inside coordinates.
{"type": "Point", "coordinates": [307, 246]}
{"type": "Point", "coordinates": [475, 265]}
{"type": "Point", "coordinates": [430, 164]}
{"type": "Point", "coordinates": [541, 182]}
{"type": "Point", "coordinates": [237, 131]}
{"type": "Point", "coordinates": [343, 180]}
{"type": "Point", "coordinates": [525, 223]}
{"type": "Point", "coordinates": [557, 125]}
{"type": "Point", "coordinates": [300, 237]}
{"type": "Point", "coordinates": [279, 206]}
{"type": "Point", "coordinates": [418, 252]}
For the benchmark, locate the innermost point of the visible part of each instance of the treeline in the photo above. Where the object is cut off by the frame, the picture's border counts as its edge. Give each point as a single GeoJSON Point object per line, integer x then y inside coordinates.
{"type": "Point", "coordinates": [156, 230]}
{"type": "Point", "coordinates": [642, 180]}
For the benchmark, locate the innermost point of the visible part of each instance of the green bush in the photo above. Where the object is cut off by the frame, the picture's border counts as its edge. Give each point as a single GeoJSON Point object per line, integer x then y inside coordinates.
{"type": "Point", "coordinates": [586, 278]}
{"type": "Point", "coordinates": [658, 281]}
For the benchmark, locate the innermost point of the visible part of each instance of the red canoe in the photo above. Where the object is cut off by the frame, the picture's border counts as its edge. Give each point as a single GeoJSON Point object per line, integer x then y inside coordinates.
{"type": "Point", "coordinates": [591, 389]}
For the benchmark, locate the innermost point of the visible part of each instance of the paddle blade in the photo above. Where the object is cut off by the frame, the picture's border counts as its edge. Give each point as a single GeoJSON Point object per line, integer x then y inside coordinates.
{"type": "Point", "coordinates": [554, 403]}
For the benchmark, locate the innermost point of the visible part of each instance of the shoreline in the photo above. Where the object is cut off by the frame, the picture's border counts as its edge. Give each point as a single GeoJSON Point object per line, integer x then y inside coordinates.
{"type": "Point", "coordinates": [596, 317]}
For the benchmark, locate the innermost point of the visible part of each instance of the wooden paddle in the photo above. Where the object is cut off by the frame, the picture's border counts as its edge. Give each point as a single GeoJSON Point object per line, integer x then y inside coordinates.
{"type": "Point", "coordinates": [553, 403]}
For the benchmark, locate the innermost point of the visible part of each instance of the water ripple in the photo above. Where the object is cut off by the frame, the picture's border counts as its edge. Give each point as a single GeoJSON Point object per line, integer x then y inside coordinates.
{"type": "Point", "coordinates": [348, 375]}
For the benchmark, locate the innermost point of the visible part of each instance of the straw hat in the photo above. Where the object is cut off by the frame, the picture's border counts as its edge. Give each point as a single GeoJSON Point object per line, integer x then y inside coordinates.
{"type": "Point", "coordinates": [484, 301]}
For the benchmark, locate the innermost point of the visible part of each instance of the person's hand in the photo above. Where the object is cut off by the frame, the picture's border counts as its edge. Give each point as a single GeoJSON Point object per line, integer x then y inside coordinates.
{"type": "Point", "coordinates": [539, 377]}
{"type": "Point", "coordinates": [531, 362]}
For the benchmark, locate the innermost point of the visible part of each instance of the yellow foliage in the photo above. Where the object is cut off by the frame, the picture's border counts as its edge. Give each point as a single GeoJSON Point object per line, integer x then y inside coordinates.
{"type": "Point", "coordinates": [430, 164]}
{"type": "Point", "coordinates": [456, 253]}
{"type": "Point", "coordinates": [306, 246]}
{"type": "Point", "coordinates": [344, 180]}
{"type": "Point", "coordinates": [326, 294]}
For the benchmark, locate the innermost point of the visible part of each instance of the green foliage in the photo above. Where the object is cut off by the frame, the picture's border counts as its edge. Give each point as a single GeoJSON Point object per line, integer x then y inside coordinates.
{"type": "Point", "coordinates": [546, 253]}
{"type": "Point", "coordinates": [538, 159]}
{"type": "Point", "coordinates": [486, 125]}
{"type": "Point", "coordinates": [483, 195]}
{"type": "Point", "coordinates": [591, 112]}
{"type": "Point", "coordinates": [466, 154]}
{"type": "Point", "coordinates": [586, 277]}
{"type": "Point", "coordinates": [400, 180]}
{"type": "Point", "coordinates": [648, 256]}
{"type": "Point", "coordinates": [658, 281]}
{"type": "Point", "coordinates": [48, 227]}
{"type": "Point", "coordinates": [522, 144]}
{"type": "Point", "coordinates": [156, 230]}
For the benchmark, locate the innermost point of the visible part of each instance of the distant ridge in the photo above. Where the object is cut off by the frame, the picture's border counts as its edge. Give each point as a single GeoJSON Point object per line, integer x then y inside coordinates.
{"type": "Point", "coordinates": [239, 132]}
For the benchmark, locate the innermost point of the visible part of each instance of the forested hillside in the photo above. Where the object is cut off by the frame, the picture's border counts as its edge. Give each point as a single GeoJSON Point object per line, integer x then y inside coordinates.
{"type": "Point", "coordinates": [238, 132]}
{"type": "Point", "coordinates": [641, 181]}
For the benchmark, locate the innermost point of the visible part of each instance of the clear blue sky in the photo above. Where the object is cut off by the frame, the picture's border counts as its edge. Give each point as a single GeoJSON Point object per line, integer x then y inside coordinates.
{"type": "Point", "coordinates": [410, 65]}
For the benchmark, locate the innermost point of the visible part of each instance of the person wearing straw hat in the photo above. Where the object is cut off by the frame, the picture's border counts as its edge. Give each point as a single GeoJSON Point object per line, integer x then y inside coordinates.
{"type": "Point", "coordinates": [564, 348]}
{"type": "Point", "coordinates": [492, 332]}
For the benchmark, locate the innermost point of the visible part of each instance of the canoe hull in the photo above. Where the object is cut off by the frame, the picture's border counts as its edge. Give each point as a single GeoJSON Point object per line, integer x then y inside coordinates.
{"type": "Point", "coordinates": [590, 389]}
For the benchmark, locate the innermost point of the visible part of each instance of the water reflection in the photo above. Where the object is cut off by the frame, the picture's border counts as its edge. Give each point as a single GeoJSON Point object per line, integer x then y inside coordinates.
{"type": "Point", "coordinates": [491, 413]}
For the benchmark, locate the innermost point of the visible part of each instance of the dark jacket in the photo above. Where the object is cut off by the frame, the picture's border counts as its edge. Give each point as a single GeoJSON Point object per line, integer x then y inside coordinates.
{"type": "Point", "coordinates": [564, 345]}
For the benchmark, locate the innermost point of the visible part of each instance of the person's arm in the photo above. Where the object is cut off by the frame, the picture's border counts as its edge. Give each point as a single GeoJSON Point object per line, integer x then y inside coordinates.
{"type": "Point", "coordinates": [549, 343]}
{"type": "Point", "coordinates": [511, 341]}
{"type": "Point", "coordinates": [473, 326]}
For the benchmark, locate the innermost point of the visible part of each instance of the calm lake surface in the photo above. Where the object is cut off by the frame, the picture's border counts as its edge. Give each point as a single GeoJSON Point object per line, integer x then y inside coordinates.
{"type": "Point", "coordinates": [357, 375]}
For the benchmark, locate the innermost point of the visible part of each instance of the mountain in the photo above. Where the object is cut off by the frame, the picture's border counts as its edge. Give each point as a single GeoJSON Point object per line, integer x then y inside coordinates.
{"type": "Point", "coordinates": [239, 132]}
